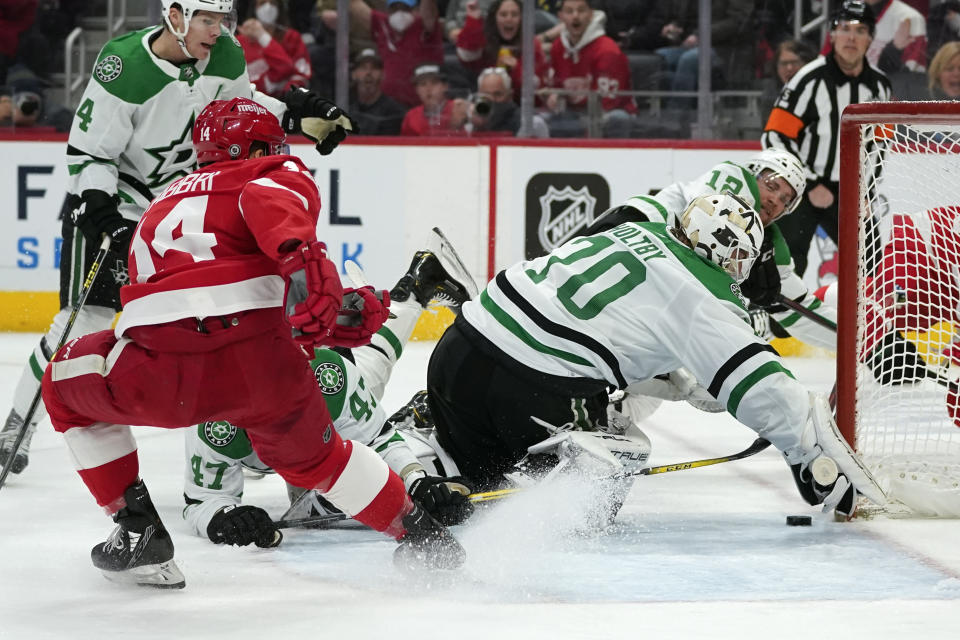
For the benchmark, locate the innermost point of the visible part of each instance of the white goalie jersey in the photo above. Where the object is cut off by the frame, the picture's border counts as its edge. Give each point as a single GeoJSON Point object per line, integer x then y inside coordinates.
{"type": "Point", "coordinates": [628, 304]}
{"type": "Point", "coordinates": [672, 200]}
{"type": "Point", "coordinates": [132, 133]}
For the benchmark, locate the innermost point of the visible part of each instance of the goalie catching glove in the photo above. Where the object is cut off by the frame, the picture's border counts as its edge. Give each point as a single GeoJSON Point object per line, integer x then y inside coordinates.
{"type": "Point", "coordinates": [762, 285]}
{"type": "Point", "coordinates": [243, 525]}
{"type": "Point", "coordinates": [312, 295]}
{"type": "Point", "coordinates": [320, 120]}
{"type": "Point", "coordinates": [825, 468]}
{"type": "Point", "coordinates": [96, 215]}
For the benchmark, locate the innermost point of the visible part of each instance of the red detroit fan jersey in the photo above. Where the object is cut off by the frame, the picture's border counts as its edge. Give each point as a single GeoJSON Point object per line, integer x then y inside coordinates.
{"type": "Point", "coordinates": [208, 245]}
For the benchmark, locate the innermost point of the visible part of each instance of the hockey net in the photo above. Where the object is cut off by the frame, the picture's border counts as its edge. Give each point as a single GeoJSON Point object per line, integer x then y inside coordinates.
{"type": "Point", "coordinates": [898, 352]}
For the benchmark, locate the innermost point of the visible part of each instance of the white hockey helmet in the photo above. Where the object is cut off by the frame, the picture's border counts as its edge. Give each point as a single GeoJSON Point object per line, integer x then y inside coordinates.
{"type": "Point", "coordinates": [188, 7]}
{"type": "Point", "coordinates": [725, 230]}
{"type": "Point", "coordinates": [784, 165]}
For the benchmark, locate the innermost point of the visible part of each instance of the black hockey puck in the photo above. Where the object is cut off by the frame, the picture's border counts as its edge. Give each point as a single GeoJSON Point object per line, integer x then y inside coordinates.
{"type": "Point", "coordinates": [799, 521]}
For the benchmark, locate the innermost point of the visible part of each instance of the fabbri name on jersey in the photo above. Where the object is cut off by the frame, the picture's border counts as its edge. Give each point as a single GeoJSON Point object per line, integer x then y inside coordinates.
{"type": "Point", "coordinates": [202, 181]}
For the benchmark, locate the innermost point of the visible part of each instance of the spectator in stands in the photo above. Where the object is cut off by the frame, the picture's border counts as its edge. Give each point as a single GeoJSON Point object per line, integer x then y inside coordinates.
{"type": "Point", "coordinates": [944, 73]}
{"type": "Point", "coordinates": [437, 115]}
{"type": "Point", "coordinates": [360, 36]}
{"type": "Point", "coordinates": [494, 112]}
{"type": "Point", "coordinates": [405, 40]}
{"type": "Point", "coordinates": [457, 13]}
{"type": "Point", "coordinates": [277, 58]}
{"type": "Point", "coordinates": [788, 58]}
{"type": "Point", "coordinates": [376, 114]}
{"type": "Point", "coordinates": [16, 16]}
{"type": "Point", "coordinates": [943, 25]}
{"type": "Point", "coordinates": [584, 60]}
{"type": "Point", "coordinates": [731, 39]}
{"type": "Point", "coordinates": [495, 41]}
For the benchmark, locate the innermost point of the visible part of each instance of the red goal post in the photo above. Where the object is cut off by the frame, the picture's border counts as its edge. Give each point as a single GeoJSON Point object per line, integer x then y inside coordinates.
{"type": "Point", "coordinates": [899, 232]}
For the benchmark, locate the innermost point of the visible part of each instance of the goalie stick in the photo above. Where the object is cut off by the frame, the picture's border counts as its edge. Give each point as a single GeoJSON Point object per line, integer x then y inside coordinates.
{"type": "Point", "coordinates": [81, 299]}
{"type": "Point", "coordinates": [758, 445]}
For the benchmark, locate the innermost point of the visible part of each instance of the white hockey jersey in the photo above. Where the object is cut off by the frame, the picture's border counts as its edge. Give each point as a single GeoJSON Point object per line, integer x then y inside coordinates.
{"type": "Point", "coordinates": [628, 304]}
{"type": "Point", "coordinates": [671, 202]}
{"type": "Point", "coordinates": [132, 133]}
{"type": "Point", "coordinates": [216, 452]}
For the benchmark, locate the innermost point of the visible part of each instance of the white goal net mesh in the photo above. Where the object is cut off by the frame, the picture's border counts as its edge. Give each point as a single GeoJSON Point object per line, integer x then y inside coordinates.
{"type": "Point", "coordinates": [907, 417]}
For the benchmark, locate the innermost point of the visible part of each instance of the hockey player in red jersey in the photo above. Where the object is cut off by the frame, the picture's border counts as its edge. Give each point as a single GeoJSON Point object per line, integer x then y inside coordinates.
{"type": "Point", "coordinates": [222, 265]}
{"type": "Point", "coordinates": [585, 59]}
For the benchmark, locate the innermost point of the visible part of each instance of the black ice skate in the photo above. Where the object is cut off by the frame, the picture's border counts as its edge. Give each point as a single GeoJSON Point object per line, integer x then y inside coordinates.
{"type": "Point", "coordinates": [139, 551]}
{"type": "Point", "coordinates": [436, 275]}
{"type": "Point", "coordinates": [8, 437]}
{"type": "Point", "coordinates": [427, 544]}
{"type": "Point", "coordinates": [415, 414]}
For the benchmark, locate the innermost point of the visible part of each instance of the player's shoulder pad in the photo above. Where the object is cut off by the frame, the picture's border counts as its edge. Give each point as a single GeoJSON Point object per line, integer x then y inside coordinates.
{"type": "Point", "coordinates": [127, 71]}
{"type": "Point", "coordinates": [225, 438]}
{"type": "Point", "coordinates": [226, 58]}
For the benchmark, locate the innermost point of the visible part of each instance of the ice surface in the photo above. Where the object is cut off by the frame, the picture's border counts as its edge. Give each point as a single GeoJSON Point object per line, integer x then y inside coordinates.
{"type": "Point", "coordinates": [694, 554]}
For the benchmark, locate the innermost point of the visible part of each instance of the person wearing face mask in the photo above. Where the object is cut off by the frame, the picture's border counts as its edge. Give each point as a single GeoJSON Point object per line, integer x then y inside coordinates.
{"type": "Point", "coordinates": [276, 56]}
{"type": "Point", "coordinates": [405, 40]}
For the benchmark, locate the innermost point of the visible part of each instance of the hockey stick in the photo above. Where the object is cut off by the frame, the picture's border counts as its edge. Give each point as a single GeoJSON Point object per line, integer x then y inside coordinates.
{"type": "Point", "coordinates": [810, 314]}
{"type": "Point", "coordinates": [758, 445]}
{"type": "Point", "coordinates": [81, 299]}
{"type": "Point", "coordinates": [311, 521]}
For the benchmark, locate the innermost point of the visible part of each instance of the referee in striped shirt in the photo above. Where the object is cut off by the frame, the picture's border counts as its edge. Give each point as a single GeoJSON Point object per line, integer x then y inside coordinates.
{"type": "Point", "coordinates": [806, 121]}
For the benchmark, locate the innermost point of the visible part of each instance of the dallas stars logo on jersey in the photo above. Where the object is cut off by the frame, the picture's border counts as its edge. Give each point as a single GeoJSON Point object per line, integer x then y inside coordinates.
{"type": "Point", "coordinates": [175, 160]}
{"type": "Point", "coordinates": [219, 433]}
{"type": "Point", "coordinates": [329, 377]}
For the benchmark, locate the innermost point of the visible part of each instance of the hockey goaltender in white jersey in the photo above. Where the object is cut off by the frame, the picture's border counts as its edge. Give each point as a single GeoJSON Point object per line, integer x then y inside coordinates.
{"type": "Point", "coordinates": [620, 307]}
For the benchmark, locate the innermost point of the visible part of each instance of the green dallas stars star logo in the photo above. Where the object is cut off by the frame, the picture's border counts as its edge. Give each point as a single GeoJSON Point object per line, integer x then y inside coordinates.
{"type": "Point", "coordinates": [329, 377]}
{"type": "Point", "coordinates": [175, 160]}
{"type": "Point", "coordinates": [219, 433]}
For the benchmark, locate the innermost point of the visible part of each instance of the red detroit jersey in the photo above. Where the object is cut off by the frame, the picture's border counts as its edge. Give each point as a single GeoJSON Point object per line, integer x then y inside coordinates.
{"type": "Point", "coordinates": [208, 245]}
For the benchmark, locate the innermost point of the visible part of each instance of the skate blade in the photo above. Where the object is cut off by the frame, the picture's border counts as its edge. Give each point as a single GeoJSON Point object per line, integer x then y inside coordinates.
{"type": "Point", "coordinates": [166, 575]}
{"type": "Point", "coordinates": [451, 261]}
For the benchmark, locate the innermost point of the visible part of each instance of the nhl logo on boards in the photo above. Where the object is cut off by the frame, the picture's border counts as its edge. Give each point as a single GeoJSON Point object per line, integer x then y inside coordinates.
{"type": "Point", "coordinates": [559, 206]}
{"type": "Point", "coordinates": [108, 69]}
{"type": "Point", "coordinates": [219, 433]}
{"type": "Point", "coordinates": [329, 377]}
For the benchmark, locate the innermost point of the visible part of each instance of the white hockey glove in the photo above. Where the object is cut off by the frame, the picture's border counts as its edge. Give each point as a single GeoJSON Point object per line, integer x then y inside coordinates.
{"type": "Point", "coordinates": [825, 468]}
{"type": "Point", "coordinates": [675, 386]}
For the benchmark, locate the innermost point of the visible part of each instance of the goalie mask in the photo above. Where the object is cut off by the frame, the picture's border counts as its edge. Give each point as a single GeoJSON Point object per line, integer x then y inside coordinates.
{"type": "Point", "coordinates": [781, 164]}
{"type": "Point", "coordinates": [723, 229]}
{"type": "Point", "coordinates": [225, 129]}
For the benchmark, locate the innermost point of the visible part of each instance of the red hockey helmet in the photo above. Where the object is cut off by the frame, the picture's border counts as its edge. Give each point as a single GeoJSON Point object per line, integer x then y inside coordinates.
{"type": "Point", "coordinates": [225, 129]}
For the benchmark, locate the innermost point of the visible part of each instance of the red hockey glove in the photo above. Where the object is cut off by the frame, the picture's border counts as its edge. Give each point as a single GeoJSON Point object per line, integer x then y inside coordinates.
{"type": "Point", "coordinates": [313, 293]}
{"type": "Point", "coordinates": [363, 313]}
